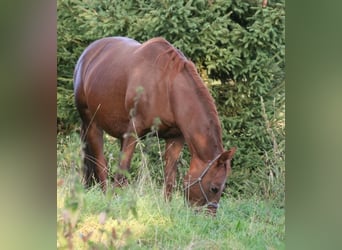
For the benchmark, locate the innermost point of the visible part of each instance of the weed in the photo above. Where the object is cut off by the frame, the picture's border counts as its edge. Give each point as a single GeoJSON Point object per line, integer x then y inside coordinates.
{"type": "Point", "coordinates": [137, 217]}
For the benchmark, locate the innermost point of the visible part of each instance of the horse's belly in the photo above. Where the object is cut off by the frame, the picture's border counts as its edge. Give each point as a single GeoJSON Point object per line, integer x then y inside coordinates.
{"type": "Point", "coordinates": [169, 132]}
{"type": "Point", "coordinates": [117, 130]}
{"type": "Point", "coordinates": [114, 125]}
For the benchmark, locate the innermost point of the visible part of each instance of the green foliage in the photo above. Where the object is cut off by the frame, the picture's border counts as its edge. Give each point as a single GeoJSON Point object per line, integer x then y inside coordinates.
{"type": "Point", "coordinates": [137, 217]}
{"type": "Point", "coordinates": [239, 50]}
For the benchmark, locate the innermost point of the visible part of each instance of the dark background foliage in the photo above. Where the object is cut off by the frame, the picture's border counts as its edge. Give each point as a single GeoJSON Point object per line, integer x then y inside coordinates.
{"type": "Point", "coordinates": [239, 50]}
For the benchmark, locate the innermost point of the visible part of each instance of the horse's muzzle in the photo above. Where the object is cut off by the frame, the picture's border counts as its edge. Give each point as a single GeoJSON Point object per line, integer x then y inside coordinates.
{"type": "Point", "coordinates": [212, 207]}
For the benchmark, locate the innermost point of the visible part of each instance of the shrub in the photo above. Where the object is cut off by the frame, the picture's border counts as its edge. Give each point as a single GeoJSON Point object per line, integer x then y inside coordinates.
{"type": "Point", "coordinates": [238, 48]}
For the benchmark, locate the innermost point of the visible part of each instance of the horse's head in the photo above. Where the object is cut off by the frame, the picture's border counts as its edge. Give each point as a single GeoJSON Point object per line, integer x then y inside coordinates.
{"type": "Point", "coordinates": [205, 181]}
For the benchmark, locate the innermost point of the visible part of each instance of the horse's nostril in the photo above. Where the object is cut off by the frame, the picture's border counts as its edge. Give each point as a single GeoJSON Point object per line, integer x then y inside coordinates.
{"type": "Point", "coordinates": [214, 189]}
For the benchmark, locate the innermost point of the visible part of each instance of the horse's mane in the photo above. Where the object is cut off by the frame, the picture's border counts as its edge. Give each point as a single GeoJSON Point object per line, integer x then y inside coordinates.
{"type": "Point", "coordinates": [203, 93]}
{"type": "Point", "coordinates": [167, 55]}
{"type": "Point", "coordinates": [173, 61]}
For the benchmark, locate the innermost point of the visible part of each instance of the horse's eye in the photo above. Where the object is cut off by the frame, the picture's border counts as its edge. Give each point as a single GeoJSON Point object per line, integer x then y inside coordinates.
{"type": "Point", "coordinates": [214, 189]}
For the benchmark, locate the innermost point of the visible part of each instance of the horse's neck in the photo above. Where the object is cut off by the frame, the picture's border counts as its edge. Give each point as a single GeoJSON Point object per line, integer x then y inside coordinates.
{"type": "Point", "coordinates": [198, 121]}
{"type": "Point", "coordinates": [204, 139]}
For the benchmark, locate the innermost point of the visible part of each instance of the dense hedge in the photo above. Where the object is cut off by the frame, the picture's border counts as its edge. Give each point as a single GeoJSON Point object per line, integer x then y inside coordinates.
{"type": "Point", "coordinates": [238, 48]}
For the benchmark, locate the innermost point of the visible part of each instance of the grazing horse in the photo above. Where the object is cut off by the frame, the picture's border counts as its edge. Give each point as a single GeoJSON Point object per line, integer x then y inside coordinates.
{"type": "Point", "coordinates": [122, 86]}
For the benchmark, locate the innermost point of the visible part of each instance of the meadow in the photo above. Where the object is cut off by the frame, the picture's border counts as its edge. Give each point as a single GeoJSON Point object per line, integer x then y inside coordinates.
{"type": "Point", "coordinates": [238, 48]}
{"type": "Point", "coordinates": [137, 217]}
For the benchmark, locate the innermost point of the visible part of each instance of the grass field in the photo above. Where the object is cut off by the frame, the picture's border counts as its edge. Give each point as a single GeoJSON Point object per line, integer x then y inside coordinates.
{"type": "Point", "coordinates": [137, 217]}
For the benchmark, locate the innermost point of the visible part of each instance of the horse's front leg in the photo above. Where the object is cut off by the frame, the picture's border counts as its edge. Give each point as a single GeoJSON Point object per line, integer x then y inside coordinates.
{"type": "Point", "coordinates": [173, 148]}
{"type": "Point", "coordinates": [128, 143]}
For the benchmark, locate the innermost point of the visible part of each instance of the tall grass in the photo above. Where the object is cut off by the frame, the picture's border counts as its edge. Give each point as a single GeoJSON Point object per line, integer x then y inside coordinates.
{"type": "Point", "coordinates": [137, 217]}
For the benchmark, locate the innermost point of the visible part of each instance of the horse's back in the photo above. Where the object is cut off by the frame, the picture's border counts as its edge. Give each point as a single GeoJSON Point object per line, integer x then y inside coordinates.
{"type": "Point", "coordinates": [107, 80]}
{"type": "Point", "coordinates": [100, 82]}
{"type": "Point", "coordinates": [100, 58]}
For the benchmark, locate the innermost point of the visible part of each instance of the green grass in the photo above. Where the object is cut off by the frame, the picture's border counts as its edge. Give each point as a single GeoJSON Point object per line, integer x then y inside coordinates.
{"type": "Point", "coordinates": [137, 217]}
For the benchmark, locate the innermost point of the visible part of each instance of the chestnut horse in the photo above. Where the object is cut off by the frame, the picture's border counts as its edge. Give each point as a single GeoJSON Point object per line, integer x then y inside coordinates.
{"type": "Point", "coordinates": [122, 86]}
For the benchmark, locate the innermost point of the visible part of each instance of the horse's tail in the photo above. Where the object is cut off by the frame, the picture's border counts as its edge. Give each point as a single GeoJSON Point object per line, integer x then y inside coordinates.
{"type": "Point", "coordinates": [89, 167]}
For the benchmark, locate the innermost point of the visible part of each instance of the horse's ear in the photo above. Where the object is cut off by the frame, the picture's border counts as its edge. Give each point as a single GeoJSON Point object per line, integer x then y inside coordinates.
{"type": "Point", "coordinates": [226, 155]}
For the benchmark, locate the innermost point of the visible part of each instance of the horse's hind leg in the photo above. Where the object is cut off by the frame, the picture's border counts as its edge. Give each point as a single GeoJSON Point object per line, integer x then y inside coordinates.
{"type": "Point", "coordinates": [173, 148]}
{"type": "Point", "coordinates": [95, 167]}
